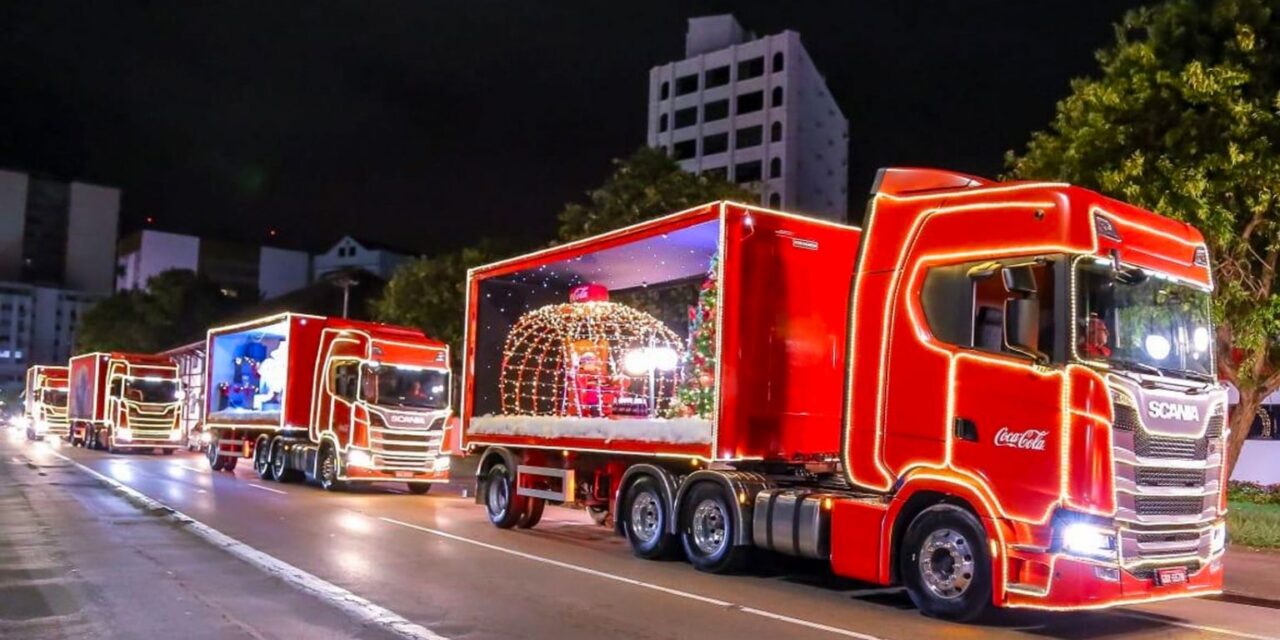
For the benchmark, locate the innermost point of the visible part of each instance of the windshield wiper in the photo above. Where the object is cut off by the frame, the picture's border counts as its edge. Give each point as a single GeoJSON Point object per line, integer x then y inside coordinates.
{"type": "Point", "coordinates": [1134, 365]}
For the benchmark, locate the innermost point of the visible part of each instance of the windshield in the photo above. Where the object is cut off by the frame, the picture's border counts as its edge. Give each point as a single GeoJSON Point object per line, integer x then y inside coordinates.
{"type": "Point", "coordinates": [1135, 321]}
{"type": "Point", "coordinates": [151, 390]}
{"type": "Point", "coordinates": [55, 397]}
{"type": "Point", "coordinates": [392, 386]}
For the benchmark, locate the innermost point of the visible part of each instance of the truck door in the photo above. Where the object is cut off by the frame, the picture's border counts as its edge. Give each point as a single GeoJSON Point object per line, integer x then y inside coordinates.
{"type": "Point", "coordinates": [343, 382]}
{"type": "Point", "coordinates": [1007, 381]}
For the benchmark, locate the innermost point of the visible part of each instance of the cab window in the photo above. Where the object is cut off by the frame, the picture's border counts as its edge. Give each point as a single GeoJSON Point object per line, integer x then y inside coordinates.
{"type": "Point", "coordinates": [345, 379]}
{"type": "Point", "coordinates": [966, 305]}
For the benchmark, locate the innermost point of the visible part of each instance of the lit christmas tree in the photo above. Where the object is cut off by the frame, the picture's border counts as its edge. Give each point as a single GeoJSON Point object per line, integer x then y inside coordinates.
{"type": "Point", "coordinates": [696, 396]}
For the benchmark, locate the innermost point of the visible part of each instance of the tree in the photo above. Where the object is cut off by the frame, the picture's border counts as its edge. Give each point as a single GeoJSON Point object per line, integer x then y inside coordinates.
{"type": "Point", "coordinates": [176, 307]}
{"type": "Point", "coordinates": [429, 293]}
{"type": "Point", "coordinates": [1183, 121]}
{"type": "Point", "coordinates": [645, 185]}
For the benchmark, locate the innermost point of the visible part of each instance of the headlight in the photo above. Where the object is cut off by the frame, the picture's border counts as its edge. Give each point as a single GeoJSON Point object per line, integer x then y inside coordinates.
{"type": "Point", "coordinates": [21, 422]}
{"type": "Point", "coordinates": [175, 435]}
{"type": "Point", "coordinates": [1219, 540]}
{"type": "Point", "coordinates": [1084, 539]}
{"type": "Point", "coordinates": [441, 464]}
{"type": "Point", "coordinates": [41, 426]}
{"type": "Point", "coordinates": [359, 458]}
{"type": "Point", "coordinates": [124, 433]}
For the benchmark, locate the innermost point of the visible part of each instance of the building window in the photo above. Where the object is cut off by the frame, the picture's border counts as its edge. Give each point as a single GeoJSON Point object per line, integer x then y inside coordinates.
{"type": "Point", "coordinates": [686, 117]}
{"type": "Point", "coordinates": [685, 149]}
{"type": "Point", "coordinates": [777, 62]}
{"type": "Point", "coordinates": [717, 110]}
{"type": "Point", "coordinates": [776, 99]}
{"type": "Point", "coordinates": [775, 200]}
{"type": "Point", "coordinates": [747, 137]}
{"type": "Point", "coordinates": [665, 91]}
{"type": "Point", "coordinates": [662, 123]}
{"type": "Point", "coordinates": [751, 68]}
{"type": "Point", "coordinates": [721, 173]}
{"type": "Point", "coordinates": [750, 102]}
{"type": "Point", "coordinates": [775, 132]}
{"type": "Point", "coordinates": [775, 168]}
{"type": "Point", "coordinates": [686, 84]}
{"type": "Point", "coordinates": [747, 172]}
{"type": "Point", "coordinates": [717, 77]}
{"type": "Point", "coordinates": [717, 143]}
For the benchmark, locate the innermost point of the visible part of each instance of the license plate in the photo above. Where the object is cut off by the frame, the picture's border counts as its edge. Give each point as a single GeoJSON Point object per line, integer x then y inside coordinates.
{"type": "Point", "coordinates": [404, 474]}
{"type": "Point", "coordinates": [1171, 576]}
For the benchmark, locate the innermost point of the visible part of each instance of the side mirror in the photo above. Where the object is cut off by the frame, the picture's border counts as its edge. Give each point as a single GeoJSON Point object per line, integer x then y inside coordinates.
{"type": "Point", "coordinates": [1022, 327]}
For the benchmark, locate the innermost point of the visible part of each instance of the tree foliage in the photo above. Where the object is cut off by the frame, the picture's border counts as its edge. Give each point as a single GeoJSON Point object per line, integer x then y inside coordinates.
{"type": "Point", "coordinates": [1184, 120]}
{"type": "Point", "coordinates": [176, 307]}
{"type": "Point", "coordinates": [429, 293]}
{"type": "Point", "coordinates": [644, 185]}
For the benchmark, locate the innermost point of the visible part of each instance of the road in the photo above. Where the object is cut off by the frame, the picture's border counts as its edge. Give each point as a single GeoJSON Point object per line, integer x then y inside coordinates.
{"type": "Point", "coordinates": [436, 561]}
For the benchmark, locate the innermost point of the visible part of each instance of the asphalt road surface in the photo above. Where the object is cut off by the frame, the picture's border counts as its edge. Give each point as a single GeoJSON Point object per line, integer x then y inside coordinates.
{"type": "Point", "coordinates": [437, 562]}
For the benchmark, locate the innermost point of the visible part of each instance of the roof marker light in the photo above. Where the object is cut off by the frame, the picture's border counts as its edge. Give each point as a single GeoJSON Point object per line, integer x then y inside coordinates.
{"type": "Point", "coordinates": [1106, 228]}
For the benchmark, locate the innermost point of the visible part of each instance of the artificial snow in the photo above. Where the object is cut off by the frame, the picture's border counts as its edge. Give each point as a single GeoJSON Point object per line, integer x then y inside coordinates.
{"type": "Point", "coordinates": [669, 431]}
{"type": "Point", "coordinates": [245, 416]}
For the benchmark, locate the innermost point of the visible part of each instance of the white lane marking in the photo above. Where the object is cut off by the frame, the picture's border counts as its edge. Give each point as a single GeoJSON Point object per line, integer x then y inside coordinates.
{"type": "Point", "coordinates": [1187, 625]}
{"type": "Point", "coordinates": [195, 469]}
{"type": "Point", "coordinates": [637, 583]}
{"type": "Point", "coordinates": [258, 486]}
{"type": "Point", "coordinates": [352, 604]}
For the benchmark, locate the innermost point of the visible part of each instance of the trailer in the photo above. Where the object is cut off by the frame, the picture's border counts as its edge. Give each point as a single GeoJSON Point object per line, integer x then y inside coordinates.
{"type": "Point", "coordinates": [328, 399]}
{"type": "Point", "coordinates": [994, 394]}
{"type": "Point", "coordinates": [124, 401]}
{"type": "Point", "coordinates": [45, 405]}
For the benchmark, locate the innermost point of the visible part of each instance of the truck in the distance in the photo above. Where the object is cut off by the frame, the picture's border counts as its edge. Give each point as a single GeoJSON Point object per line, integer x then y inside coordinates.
{"type": "Point", "coordinates": [45, 402]}
{"type": "Point", "coordinates": [328, 399]}
{"type": "Point", "coordinates": [124, 401]}
{"type": "Point", "coordinates": [994, 394]}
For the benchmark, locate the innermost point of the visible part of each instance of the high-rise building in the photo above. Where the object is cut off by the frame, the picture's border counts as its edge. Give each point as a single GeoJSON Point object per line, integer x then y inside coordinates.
{"type": "Point", "coordinates": [58, 233]}
{"type": "Point", "coordinates": [756, 111]}
{"type": "Point", "coordinates": [240, 269]}
{"type": "Point", "coordinates": [37, 326]}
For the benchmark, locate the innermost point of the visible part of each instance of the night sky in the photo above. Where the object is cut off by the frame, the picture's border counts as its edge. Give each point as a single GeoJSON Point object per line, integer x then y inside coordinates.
{"type": "Point", "coordinates": [428, 125]}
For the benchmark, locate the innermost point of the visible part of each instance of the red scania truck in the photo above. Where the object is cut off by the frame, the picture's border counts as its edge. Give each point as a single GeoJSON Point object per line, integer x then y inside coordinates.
{"type": "Point", "coordinates": [45, 404]}
{"type": "Point", "coordinates": [994, 394]}
{"type": "Point", "coordinates": [328, 399]}
{"type": "Point", "coordinates": [121, 401]}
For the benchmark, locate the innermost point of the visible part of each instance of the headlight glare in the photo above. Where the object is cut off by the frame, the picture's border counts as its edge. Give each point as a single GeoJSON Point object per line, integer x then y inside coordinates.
{"type": "Point", "coordinates": [1090, 540]}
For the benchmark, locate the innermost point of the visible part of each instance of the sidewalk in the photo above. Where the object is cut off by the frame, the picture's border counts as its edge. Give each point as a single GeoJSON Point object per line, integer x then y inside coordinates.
{"type": "Point", "coordinates": [79, 561]}
{"type": "Point", "coordinates": [1253, 574]}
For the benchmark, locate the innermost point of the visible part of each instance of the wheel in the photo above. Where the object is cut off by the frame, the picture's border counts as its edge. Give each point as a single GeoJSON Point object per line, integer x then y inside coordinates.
{"type": "Point", "coordinates": [329, 480]}
{"type": "Point", "coordinates": [216, 461]}
{"type": "Point", "coordinates": [91, 439]}
{"type": "Point", "coordinates": [532, 514]}
{"type": "Point", "coordinates": [599, 515]}
{"type": "Point", "coordinates": [707, 530]}
{"type": "Point", "coordinates": [262, 458]}
{"type": "Point", "coordinates": [945, 563]}
{"type": "Point", "coordinates": [229, 463]}
{"type": "Point", "coordinates": [648, 518]}
{"type": "Point", "coordinates": [279, 466]}
{"type": "Point", "coordinates": [500, 500]}
{"type": "Point", "coordinates": [419, 488]}
{"type": "Point", "coordinates": [109, 445]}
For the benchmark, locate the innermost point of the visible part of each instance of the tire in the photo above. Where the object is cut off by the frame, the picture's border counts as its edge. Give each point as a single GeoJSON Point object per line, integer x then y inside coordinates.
{"type": "Point", "coordinates": [262, 458]}
{"type": "Point", "coordinates": [708, 529]}
{"type": "Point", "coordinates": [945, 564]}
{"type": "Point", "coordinates": [503, 506]}
{"type": "Point", "coordinates": [216, 461]}
{"type": "Point", "coordinates": [532, 514]}
{"type": "Point", "coordinates": [279, 466]}
{"type": "Point", "coordinates": [419, 488]}
{"type": "Point", "coordinates": [229, 463]}
{"type": "Point", "coordinates": [327, 471]}
{"type": "Point", "coordinates": [648, 518]}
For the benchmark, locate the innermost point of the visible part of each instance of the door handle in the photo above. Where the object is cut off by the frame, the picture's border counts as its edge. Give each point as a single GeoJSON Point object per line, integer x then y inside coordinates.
{"type": "Point", "coordinates": [965, 429]}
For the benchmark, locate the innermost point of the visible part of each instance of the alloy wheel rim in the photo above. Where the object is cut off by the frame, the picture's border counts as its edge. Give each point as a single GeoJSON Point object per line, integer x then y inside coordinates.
{"type": "Point", "coordinates": [645, 518]}
{"type": "Point", "coordinates": [709, 527]}
{"type": "Point", "coordinates": [946, 563]}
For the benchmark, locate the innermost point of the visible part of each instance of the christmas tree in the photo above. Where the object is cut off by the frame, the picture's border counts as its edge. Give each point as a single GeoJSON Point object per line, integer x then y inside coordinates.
{"type": "Point", "coordinates": [696, 396]}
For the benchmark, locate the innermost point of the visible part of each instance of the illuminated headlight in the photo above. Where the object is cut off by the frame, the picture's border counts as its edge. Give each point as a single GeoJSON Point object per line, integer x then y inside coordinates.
{"type": "Point", "coordinates": [441, 464]}
{"type": "Point", "coordinates": [1090, 540]}
{"type": "Point", "coordinates": [358, 458]}
{"type": "Point", "coordinates": [206, 437]}
{"type": "Point", "coordinates": [124, 434]}
{"type": "Point", "coordinates": [41, 426]}
{"type": "Point", "coordinates": [21, 422]}
{"type": "Point", "coordinates": [175, 435]}
{"type": "Point", "coordinates": [1219, 540]}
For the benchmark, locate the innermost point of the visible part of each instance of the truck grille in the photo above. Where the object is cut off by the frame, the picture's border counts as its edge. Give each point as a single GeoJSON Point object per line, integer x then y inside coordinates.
{"type": "Point", "coordinates": [1126, 418]}
{"type": "Point", "coordinates": [1168, 536]}
{"type": "Point", "coordinates": [1216, 423]}
{"type": "Point", "coordinates": [1168, 505]}
{"type": "Point", "coordinates": [1151, 446]}
{"type": "Point", "coordinates": [414, 449]}
{"type": "Point", "coordinates": [1157, 477]}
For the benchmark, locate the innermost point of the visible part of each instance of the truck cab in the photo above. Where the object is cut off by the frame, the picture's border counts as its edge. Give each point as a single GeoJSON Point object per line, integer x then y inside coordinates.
{"type": "Point", "coordinates": [1039, 357]}
{"type": "Point", "coordinates": [121, 401]}
{"type": "Point", "coordinates": [45, 407]}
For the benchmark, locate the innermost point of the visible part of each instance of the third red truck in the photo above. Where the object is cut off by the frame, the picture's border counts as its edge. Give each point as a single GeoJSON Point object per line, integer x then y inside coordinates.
{"type": "Point", "coordinates": [995, 394]}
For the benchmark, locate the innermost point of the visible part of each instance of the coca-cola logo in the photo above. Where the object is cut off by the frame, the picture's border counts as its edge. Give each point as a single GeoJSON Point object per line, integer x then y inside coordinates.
{"type": "Point", "coordinates": [1032, 439]}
